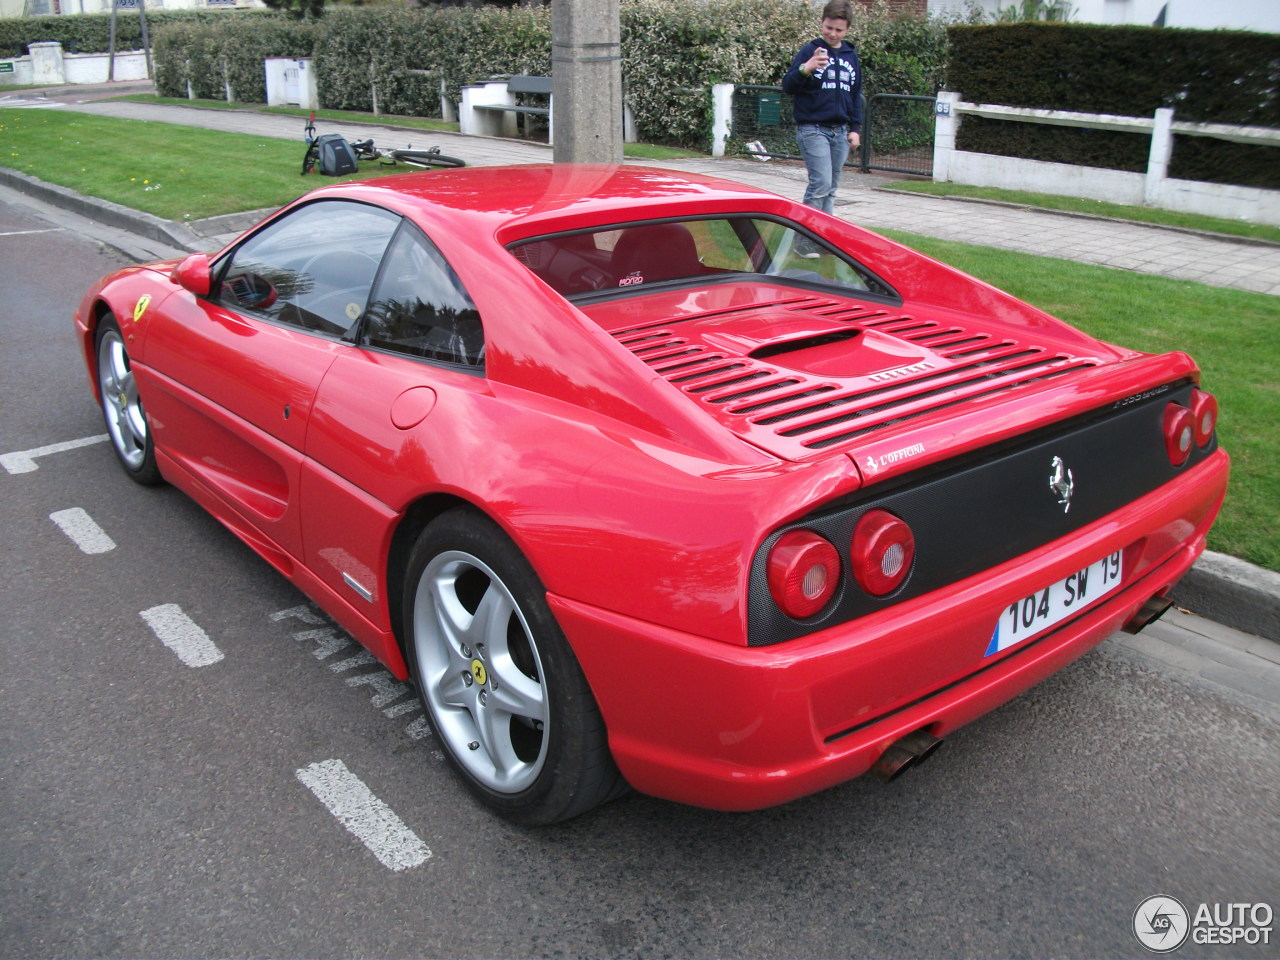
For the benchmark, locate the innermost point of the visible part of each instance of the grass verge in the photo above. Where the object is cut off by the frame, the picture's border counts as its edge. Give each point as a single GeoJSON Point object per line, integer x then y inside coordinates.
{"type": "Point", "coordinates": [176, 172]}
{"type": "Point", "coordinates": [1234, 336]}
{"type": "Point", "coordinates": [1118, 211]}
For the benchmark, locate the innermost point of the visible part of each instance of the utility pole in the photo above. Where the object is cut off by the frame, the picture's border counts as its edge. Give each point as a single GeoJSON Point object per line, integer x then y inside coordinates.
{"type": "Point", "coordinates": [586, 81]}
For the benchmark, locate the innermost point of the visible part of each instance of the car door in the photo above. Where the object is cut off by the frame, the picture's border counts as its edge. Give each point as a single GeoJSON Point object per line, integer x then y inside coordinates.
{"type": "Point", "coordinates": [236, 371]}
{"type": "Point", "coordinates": [386, 418]}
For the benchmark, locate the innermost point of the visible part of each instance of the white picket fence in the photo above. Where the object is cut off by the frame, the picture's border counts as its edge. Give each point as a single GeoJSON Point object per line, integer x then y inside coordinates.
{"type": "Point", "coordinates": [1154, 188]}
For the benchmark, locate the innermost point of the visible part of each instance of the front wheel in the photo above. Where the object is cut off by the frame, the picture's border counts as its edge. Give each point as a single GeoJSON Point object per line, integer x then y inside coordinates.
{"type": "Point", "coordinates": [507, 698]}
{"type": "Point", "coordinates": [427, 158]}
{"type": "Point", "coordinates": [122, 407]}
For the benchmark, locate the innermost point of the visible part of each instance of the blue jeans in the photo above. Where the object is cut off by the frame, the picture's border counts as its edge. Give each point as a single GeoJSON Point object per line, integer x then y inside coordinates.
{"type": "Point", "coordinates": [824, 150]}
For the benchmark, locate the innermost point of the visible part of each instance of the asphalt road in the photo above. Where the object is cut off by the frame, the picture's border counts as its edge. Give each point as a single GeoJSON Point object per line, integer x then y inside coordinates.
{"type": "Point", "coordinates": [153, 808]}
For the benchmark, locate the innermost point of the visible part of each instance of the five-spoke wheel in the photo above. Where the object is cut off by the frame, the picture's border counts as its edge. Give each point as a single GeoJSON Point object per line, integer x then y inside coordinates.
{"type": "Point", "coordinates": [481, 671]}
{"type": "Point", "coordinates": [122, 407]}
{"type": "Point", "coordinates": [507, 698]}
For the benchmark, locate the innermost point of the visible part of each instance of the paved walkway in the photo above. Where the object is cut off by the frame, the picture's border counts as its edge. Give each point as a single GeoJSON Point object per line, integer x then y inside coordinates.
{"type": "Point", "coordinates": [1111, 243]}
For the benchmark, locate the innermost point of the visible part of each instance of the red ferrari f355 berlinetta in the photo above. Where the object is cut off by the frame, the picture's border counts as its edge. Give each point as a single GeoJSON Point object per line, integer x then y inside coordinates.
{"type": "Point", "coordinates": [657, 480]}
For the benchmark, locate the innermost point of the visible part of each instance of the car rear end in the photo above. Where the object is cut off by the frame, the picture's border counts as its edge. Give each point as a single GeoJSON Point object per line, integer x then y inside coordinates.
{"type": "Point", "coordinates": [1023, 493]}
{"type": "Point", "coordinates": [1012, 492]}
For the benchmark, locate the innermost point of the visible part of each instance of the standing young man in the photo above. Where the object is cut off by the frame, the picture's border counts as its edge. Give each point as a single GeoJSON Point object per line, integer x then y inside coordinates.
{"type": "Point", "coordinates": [825, 79]}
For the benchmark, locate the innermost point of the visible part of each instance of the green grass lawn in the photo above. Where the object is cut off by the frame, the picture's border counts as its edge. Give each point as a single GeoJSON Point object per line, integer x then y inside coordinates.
{"type": "Point", "coordinates": [175, 172]}
{"type": "Point", "coordinates": [187, 173]}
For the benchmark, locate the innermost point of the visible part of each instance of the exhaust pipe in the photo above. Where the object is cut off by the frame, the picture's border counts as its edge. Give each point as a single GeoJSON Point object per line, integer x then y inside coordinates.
{"type": "Point", "coordinates": [911, 750]}
{"type": "Point", "coordinates": [1149, 613]}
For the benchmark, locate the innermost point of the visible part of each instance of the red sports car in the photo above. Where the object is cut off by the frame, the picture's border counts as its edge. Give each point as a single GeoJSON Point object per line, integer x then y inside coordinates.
{"type": "Point", "coordinates": [658, 480]}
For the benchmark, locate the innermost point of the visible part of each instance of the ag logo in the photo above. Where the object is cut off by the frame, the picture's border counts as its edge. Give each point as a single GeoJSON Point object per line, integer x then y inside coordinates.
{"type": "Point", "coordinates": [1161, 924]}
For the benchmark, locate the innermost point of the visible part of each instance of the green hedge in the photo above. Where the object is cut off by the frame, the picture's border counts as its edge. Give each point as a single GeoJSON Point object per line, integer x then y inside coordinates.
{"type": "Point", "coordinates": [91, 32]}
{"type": "Point", "coordinates": [1213, 76]}
{"type": "Point", "coordinates": [673, 50]}
{"type": "Point", "coordinates": [217, 54]}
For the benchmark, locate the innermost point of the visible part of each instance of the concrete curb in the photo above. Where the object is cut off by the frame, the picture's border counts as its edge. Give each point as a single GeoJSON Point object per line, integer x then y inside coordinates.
{"type": "Point", "coordinates": [103, 211]}
{"type": "Point", "coordinates": [1234, 593]}
{"type": "Point", "coordinates": [1222, 588]}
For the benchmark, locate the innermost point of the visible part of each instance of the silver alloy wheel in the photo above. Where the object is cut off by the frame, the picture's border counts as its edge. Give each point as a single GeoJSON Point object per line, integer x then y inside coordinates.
{"type": "Point", "coordinates": [126, 422]}
{"type": "Point", "coordinates": [481, 673]}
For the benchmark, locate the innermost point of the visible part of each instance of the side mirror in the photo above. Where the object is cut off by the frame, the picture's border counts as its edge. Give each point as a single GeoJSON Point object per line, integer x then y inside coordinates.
{"type": "Point", "coordinates": [193, 274]}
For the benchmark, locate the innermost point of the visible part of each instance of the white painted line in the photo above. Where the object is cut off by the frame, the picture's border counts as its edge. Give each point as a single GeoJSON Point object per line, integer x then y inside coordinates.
{"type": "Point", "coordinates": [370, 820]}
{"type": "Point", "coordinates": [24, 461]}
{"type": "Point", "coordinates": [180, 634]}
{"type": "Point", "coordinates": [361, 659]}
{"type": "Point", "coordinates": [84, 533]}
{"type": "Point", "coordinates": [23, 233]}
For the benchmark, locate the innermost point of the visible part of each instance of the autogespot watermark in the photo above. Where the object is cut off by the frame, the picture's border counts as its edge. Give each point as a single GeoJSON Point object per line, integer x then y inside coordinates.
{"type": "Point", "coordinates": [1162, 924]}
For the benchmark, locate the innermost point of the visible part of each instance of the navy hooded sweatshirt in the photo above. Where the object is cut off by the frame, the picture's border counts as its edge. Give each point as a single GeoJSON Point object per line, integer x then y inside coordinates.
{"type": "Point", "coordinates": [832, 97]}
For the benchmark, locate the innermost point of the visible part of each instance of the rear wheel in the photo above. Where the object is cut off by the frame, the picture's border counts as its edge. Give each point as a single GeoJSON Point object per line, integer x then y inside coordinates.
{"type": "Point", "coordinates": [122, 407]}
{"type": "Point", "coordinates": [507, 698]}
{"type": "Point", "coordinates": [427, 158]}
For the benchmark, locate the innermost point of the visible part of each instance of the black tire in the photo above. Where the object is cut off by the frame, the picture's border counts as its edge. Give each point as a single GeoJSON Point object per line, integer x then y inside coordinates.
{"type": "Point", "coordinates": [507, 699]}
{"type": "Point", "coordinates": [122, 411]}
{"type": "Point", "coordinates": [310, 158]}
{"type": "Point", "coordinates": [426, 158]}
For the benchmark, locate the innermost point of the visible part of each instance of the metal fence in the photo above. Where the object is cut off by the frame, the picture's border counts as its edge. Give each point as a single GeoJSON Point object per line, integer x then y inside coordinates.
{"type": "Point", "coordinates": [897, 134]}
{"type": "Point", "coordinates": [762, 122]}
{"type": "Point", "coordinates": [897, 130]}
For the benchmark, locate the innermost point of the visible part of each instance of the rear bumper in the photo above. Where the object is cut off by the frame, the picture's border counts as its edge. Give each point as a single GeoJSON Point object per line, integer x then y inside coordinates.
{"type": "Point", "coordinates": [738, 728]}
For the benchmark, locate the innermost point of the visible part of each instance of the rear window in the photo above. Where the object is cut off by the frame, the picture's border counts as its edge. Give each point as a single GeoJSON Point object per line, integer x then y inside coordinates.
{"type": "Point", "coordinates": [641, 254]}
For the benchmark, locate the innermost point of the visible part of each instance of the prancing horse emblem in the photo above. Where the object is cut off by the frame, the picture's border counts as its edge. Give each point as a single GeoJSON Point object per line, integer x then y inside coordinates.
{"type": "Point", "coordinates": [1062, 482]}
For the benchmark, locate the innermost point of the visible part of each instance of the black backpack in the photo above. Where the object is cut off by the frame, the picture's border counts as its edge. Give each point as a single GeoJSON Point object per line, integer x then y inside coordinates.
{"type": "Point", "coordinates": [334, 155]}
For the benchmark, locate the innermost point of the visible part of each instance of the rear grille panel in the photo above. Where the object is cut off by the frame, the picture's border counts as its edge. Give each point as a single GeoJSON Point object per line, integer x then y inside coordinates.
{"type": "Point", "coordinates": [800, 413]}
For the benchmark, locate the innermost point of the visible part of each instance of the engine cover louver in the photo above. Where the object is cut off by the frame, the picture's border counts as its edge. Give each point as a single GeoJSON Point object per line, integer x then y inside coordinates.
{"type": "Point", "coordinates": [850, 371]}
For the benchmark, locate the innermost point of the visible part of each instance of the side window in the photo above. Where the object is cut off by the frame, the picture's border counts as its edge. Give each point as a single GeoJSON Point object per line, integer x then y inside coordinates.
{"type": "Point", "coordinates": [311, 269]}
{"type": "Point", "coordinates": [419, 306]}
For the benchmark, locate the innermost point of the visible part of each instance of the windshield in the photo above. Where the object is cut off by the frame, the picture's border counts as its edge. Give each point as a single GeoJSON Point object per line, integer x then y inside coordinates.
{"type": "Point", "coordinates": [640, 254]}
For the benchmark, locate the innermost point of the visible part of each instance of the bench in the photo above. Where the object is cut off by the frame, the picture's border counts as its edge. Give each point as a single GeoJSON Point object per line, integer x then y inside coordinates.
{"type": "Point", "coordinates": [490, 109]}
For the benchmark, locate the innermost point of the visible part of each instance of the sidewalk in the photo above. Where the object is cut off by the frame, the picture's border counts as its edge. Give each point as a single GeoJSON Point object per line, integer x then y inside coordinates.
{"type": "Point", "coordinates": [1237, 594]}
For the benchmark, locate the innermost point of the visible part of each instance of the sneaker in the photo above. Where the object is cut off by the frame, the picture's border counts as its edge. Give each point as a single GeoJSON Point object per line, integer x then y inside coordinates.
{"type": "Point", "coordinates": [806, 249]}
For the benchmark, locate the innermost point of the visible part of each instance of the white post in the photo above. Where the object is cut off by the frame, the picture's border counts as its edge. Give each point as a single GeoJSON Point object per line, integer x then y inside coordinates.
{"type": "Point", "coordinates": [1158, 160]}
{"type": "Point", "coordinates": [277, 89]}
{"type": "Point", "coordinates": [721, 116]}
{"type": "Point", "coordinates": [487, 123]}
{"type": "Point", "coordinates": [946, 121]}
{"type": "Point", "coordinates": [448, 110]}
{"type": "Point", "coordinates": [46, 62]}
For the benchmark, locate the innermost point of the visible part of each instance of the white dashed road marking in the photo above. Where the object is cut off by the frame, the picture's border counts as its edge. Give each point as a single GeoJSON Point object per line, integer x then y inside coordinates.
{"type": "Point", "coordinates": [24, 461]}
{"type": "Point", "coordinates": [84, 533]}
{"type": "Point", "coordinates": [370, 820]}
{"type": "Point", "coordinates": [180, 634]}
{"type": "Point", "coordinates": [386, 690]}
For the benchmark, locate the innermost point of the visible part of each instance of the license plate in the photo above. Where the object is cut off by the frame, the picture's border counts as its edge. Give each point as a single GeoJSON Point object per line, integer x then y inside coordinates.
{"type": "Point", "coordinates": [1056, 602]}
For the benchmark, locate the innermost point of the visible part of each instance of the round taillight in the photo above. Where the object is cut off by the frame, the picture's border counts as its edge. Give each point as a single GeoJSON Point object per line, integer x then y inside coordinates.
{"type": "Point", "coordinates": [1204, 414]}
{"type": "Point", "coordinates": [1179, 432]}
{"type": "Point", "coordinates": [883, 549]}
{"type": "Point", "coordinates": [803, 571]}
